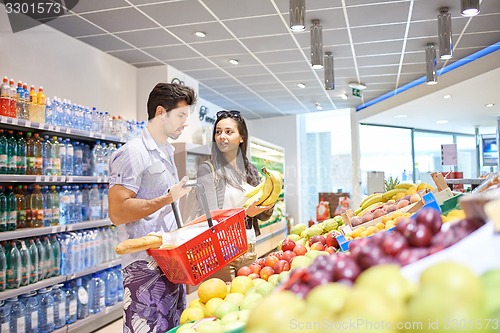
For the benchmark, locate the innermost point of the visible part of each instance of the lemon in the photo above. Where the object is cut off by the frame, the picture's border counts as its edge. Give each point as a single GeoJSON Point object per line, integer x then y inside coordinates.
{"type": "Point", "coordinates": [212, 288]}
{"type": "Point", "coordinates": [191, 314]}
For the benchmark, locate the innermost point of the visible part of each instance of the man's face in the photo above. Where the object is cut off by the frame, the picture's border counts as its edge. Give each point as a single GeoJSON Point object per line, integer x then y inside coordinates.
{"type": "Point", "coordinates": [174, 121]}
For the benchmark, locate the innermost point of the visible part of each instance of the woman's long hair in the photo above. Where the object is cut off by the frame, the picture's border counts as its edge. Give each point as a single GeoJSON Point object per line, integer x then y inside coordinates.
{"type": "Point", "coordinates": [223, 170]}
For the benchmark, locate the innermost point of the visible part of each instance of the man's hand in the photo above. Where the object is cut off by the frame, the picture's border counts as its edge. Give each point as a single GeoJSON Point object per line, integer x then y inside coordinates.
{"type": "Point", "coordinates": [254, 210]}
{"type": "Point", "coordinates": [178, 190]}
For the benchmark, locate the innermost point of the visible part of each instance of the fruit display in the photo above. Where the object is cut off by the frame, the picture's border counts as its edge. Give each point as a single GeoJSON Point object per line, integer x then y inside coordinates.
{"type": "Point", "coordinates": [448, 297]}
{"type": "Point", "coordinates": [268, 191]}
{"type": "Point", "coordinates": [324, 232]}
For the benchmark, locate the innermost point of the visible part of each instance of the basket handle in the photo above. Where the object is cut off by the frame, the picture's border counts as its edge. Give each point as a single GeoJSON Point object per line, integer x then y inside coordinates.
{"type": "Point", "coordinates": [200, 195]}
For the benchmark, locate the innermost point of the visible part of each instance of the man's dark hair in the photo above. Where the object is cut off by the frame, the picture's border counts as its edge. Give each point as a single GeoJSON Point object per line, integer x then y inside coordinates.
{"type": "Point", "coordinates": [168, 95]}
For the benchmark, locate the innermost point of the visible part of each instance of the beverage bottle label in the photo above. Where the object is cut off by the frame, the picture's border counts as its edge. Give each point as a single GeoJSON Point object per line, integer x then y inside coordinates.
{"type": "Point", "coordinates": [50, 315]}
{"type": "Point", "coordinates": [34, 320]}
{"type": "Point", "coordinates": [3, 218]}
{"type": "Point", "coordinates": [72, 307]}
{"type": "Point", "coordinates": [62, 310]}
{"type": "Point", "coordinates": [12, 162]}
{"type": "Point", "coordinates": [55, 213]}
{"type": "Point", "coordinates": [21, 217]}
{"type": "Point", "coordinates": [38, 162]}
{"type": "Point", "coordinates": [3, 160]}
{"type": "Point", "coordinates": [21, 324]}
{"type": "Point", "coordinates": [83, 296]}
{"type": "Point", "coordinates": [30, 160]}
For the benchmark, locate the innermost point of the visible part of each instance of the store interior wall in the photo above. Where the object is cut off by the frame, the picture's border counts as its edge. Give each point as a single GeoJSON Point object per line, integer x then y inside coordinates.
{"type": "Point", "coordinates": [68, 68]}
{"type": "Point", "coordinates": [284, 132]}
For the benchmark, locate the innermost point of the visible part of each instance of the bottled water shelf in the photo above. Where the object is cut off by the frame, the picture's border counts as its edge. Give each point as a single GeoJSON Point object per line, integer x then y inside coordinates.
{"type": "Point", "coordinates": [57, 279]}
{"type": "Point", "coordinates": [35, 286]}
{"type": "Point", "coordinates": [93, 322]}
{"type": "Point", "coordinates": [20, 124]}
{"type": "Point", "coordinates": [30, 232]}
{"type": "Point", "coordinates": [52, 179]}
{"type": "Point", "coordinates": [94, 269]}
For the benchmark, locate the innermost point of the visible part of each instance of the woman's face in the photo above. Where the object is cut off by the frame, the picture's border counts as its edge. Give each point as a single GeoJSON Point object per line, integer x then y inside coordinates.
{"type": "Point", "coordinates": [227, 136]}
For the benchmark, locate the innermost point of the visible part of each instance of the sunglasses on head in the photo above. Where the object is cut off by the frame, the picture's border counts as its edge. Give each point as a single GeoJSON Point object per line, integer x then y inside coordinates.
{"type": "Point", "coordinates": [232, 114]}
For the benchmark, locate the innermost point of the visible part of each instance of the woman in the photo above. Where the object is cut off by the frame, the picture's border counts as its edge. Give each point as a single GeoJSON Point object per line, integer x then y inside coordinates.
{"type": "Point", "coordinates": [227, 176]}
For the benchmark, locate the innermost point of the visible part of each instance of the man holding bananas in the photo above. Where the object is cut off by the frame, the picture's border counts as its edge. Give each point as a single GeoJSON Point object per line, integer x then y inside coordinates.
{"type": "Point", "coordinates": [227, 176]}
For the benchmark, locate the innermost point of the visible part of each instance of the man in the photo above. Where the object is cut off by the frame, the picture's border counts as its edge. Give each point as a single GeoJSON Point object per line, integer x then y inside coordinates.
{"type": "Point", "coordinates": [143, 184]}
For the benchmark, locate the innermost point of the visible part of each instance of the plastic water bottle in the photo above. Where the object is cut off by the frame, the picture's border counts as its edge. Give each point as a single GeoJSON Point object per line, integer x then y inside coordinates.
{"type": "Point", "coordinates": [71, 301]}
{"type": "Point", "coordinates": [111, 282]}
{"type": "Point", "coordinates": [56, 252]}
{"type": "Point", "coordinates": [105, 160]}
{"type": "Point", "coordinates": [72, 200]}
{"type": "Point", "coordinates": [59, 113]}
{"type": "Point", "coordinates": [78, 159]}
{"type": "Point", "coordinates": [54, 199]}
{"type": "Point", "coordinates": [5, 97]}
{"type": "Point", "coordinates": [11, 153]}
{"type": "Point", "coordinates": [25, 262]}
{"type": "Point", "coordinates": [95, 203]}
{"type": "Point", "coordinates": [3, 269]}
{"type": "Point", "coordinates": [11, 209]}
{"type": "Point", "coordinates": [4, 316]}
{"type": "Point", "coordinates": [86, 202]}
{"type": "Point", "coordinates": [45, 310]}
{"type": "Point", "coordinates": [97, 244]}
{"type": "Point", "coordinates": [75, 251]}
{"type": "Point", "coordinates": [69, 158]}
{"type": "Point", "coordinates": [49, 257]}
{"type": "Point", "coordinates": [41, 259]}
{"type": "Point", "coordinates": [34, 263]}
{"type": "Point", "coordinates": [104, 201]}
{"type": "Point", "coordinates": [97, 160]}
{"type": "Point", "coordinates": [49, 113]}
{"type": "Point", "coordinates": [68, 113]}
{"type": "Point", "coordinates": [87, 160]}
{"type": "Point", "coordinates": [104, 245]}
{"type": "Point", "coordinates": [78, 203]}
{"type": "Point", "coordinates": [119, 276]}
{"type": "Point", "coordinates": [36, 207]}
{"type": "Point", "coordinates": [66, 262]}
{"type": "Point", "coordinates": [55, 155]}
{"type": "Point", "coordinates": [97, 300]}
{"type": "Point", "coordinates": [3, 152]}
{"type": "Point", "coordinates": [3, 210]}
{"type": "Point", "coordinates": [64, 206]}
{"type": "Point", "coordinates": [30, 302]}
{"type": "Point", "coordinates": [47, 155]}
{"type": "Point", "coordinates": [82, 300]}
{"type": "Point", "coordinates": [17, 315]}
{"type": "Point", "coordinates": [20, 111]}
{"type": "Point", "coordinates": [47, 207]}
{"type": "Point", "coordinates": [13, 258]}
{"type": "Point", "coordinates": [21, 154]}
{"type": "Point", "coordinates": [59, 306]}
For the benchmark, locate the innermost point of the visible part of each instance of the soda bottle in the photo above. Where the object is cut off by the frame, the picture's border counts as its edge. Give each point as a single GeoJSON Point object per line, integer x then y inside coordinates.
{"type": "Point", "coordinates": [11, 153]}
{"type": "Point", "coordinates": [47, 156]}
{"type": "Point", "coordinates": [3, 269]}
{"type": "Point", "coordinates": [17, 315]}
{"type": "Point", "coordinates": [34, 268]}
{"type": "Point", "coordinates": [26, 101]}
{"type": "Point", "coordinates": [13, 265]}
{"type": "Point", "coordinates": [20, 111]}
{"type": "Point", "coordinates": [56, 253]}
{"type": "Point", "coordinates": [47, 207]}
{"type": "Point", "coordinates": [25, 262]}
{"type": "Point", "coordinates": [30, 302]}
{"type": "Point", "coordinates": [30, 154]}
{"type": "Point", "coordinates": [5, 97]}
{"type": "Point", "coordinates": [3, 153]}
{"type": "Point", "coordinates": [36, 207]}
{"type": "Point", "coordinates": [55, 156]}
{"type": "Point", "coordinates": [42, 102]}
{"type": "Point", "coordinates": [49, 257]}
{"type": "Point", "coordinates": [45, 310]}
{"type": "Point", "coordinates": [33, 104]}
{"type": "Point", "coordinates": [55, 205]}
{"type": "Point", "coordinates": [11, 208]}
{"type": "Point", "coordinates": [41, 273]}
{"type": "Point", "coordinates": [21, 154]}
{"type": "Point", "coordinates": [13, 99]}
{"type": "Point", "coordinates": [27, 200]}
{"type": "Point", "coordinates": [3, 211]}
{"type": "Point", "coordinates": [38, 145]}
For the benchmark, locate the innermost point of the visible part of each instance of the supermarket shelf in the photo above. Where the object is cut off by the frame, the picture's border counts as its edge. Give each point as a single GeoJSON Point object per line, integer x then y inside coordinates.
{"type": "Point", "coordinates": [94, 269]}
{"type": "Point", "coordinates": [63, 329]}
{"type": "Point", "coordinates": [471, 181]}
{"type": "Point", "coordinates": [30, 232]}
{"type": "Point", "coordinates": [51, 179]}
{"type": "Point", "coordinates": [35, 286]}
{"type": "Point", "coordinates": [88, 225]}
{"type": "Point", "coordinates": [21, 124]}
{"type": "Point", "coordinates": [93, 322]}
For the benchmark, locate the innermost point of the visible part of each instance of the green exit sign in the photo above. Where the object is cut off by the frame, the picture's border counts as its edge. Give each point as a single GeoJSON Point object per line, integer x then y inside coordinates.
{"type": "Point", "coordinates": [356, 92]}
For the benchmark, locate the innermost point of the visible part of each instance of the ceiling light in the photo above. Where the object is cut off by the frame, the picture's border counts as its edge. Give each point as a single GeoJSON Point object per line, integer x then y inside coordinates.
{"type": "Point", "coordinates": [430, 64]}
{"type": "Point", "coordinates": [200, 34]}
{"type": "Point", "coordinates": [233, 62]}
{"type": "Point", "coordinates": [490, 105]}
{"type": "Point", "coordinates": [329, 78]}
{"type": "Point", "coordinates": [442, 122]}
{"type": "Point", "coordinates": [400, 116]}
{"type": "Point", "coordinates": [316, 45]}
{"type": "Point", "coordinates": [357, 85]}
{"type": "Point", "coordinates": [343, 96]}
{"type": "Point", "coordinates": [318, 106]}
{"type": "Point", "coordinates": [447, 96]}
{"type": "Point", "coordinates": [444, 34]}
{"type": "Point", "coordinates": [297, 15]}
{"type": "Point", "coordinates": [301, 85]}
{"type": "Point", "coordinates": [470, 7]}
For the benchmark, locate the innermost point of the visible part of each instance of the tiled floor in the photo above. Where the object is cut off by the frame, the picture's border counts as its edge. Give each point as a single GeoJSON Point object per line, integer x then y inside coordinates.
{"type": "Point", "coordinates": [117, 326]}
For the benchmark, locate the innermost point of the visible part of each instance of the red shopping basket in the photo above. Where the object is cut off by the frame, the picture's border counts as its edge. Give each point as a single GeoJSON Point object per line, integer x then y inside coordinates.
{"type": "Point", "coordinates": [205, 254]}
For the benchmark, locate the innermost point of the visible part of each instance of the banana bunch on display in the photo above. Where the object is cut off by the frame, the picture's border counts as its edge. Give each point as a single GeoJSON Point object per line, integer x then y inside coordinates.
{"type": "Point", "coordinates": [268, 191]}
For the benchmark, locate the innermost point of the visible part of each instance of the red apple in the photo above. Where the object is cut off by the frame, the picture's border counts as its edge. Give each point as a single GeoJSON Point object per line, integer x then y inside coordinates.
{"type": "Point", "coordinates": [300, 250]}
{"type": "Point", "coordinates": [288, 255]}
{"type": "Point", "coordinates": [271, 260]}
{"type": "Point", "coordinates": [331, 239]}
{"type": "Point", "coordinates": [281, 266]}
{"type": "Point", "coordinates": [331, 249]}
{"type": "Point", "coordinates": [278, 255]}
{"type": "Point", "coordinates": [261, 262]}
{"type": "Point", "coordinates": [315, 239]}
{"type": "Point", "coordinates": [287, 244]}
{"type": "Point", "coordinates": [266, 272]}
{"type": "Point", "coordinates": [244, 271]}
{"type": "Point", "coordinates": [317, 246]}
{"type": "Point", "coordinates": [254, 276]}
{"type": "Point", "coordinates": [420, 236]}
{"type": "Point", "coordinates": [255, 268]}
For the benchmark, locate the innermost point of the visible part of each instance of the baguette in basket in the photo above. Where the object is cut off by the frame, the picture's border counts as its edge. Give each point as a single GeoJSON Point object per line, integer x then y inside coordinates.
{"type": "Point", "coordinates": [139, 244]}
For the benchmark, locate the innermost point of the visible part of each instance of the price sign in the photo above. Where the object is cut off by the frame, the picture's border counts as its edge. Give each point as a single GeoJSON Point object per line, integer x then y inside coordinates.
{"type": "Point", "coordinates": [449, 154]}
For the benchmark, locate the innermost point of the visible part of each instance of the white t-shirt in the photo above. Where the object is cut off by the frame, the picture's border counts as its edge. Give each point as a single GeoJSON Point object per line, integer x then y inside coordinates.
{"type": "Point", "coordinates": [234, 197]}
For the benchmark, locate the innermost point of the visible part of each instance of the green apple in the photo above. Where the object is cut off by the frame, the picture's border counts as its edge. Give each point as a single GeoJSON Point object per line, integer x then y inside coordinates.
{"type": "Point", "coordinates": [231, 316]}
{"type": "Point", "coordinates": [234, 325]}
{"type": "Point", "coordinates": [258, 281]}
{"type": "Point", "coordinates": [312, 254]}
{"type": "Point", "coordinates": [251, 300]}
{"type": "Point", "coordinates": [294, 237]}
{"type": "Point", "coordinates": [224, 308]}
{"type": "Point", "coordinates": [298, 228]}
{"type": "Point", "coordinates": [235, 298]}
{"type": "Point", "coordinates": [265, 288]}
{"type": "Point", "coordinates": [273, 279]}
{"type": "Point", "coordinates": [210, 327]}
{"type": "Point", "coordinates": [300, 261]}
{"type": "Point", "coordinates": [212, 305]}
{"type": "Point", "coordinates": [283, 276]}
{"type": "Point", "coordinates": [491, 283]}
{"type": "Point", "coordinates": [243, 315]}
{"type": "Point", "coordinates": [186, 328]}
{"type": "Point", "coordinates": [329, 297]}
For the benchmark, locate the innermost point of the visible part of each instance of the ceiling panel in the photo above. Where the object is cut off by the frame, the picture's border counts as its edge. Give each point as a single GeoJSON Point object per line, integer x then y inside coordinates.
{"type": "Point", "coordinates": [257, 26]}
{"type": "Point", "coordinates": [120, 20]}
{"type": "Point", "coordinates": [226, 47]}
{"type": "Point", "coordinates": [379, 48]}
{"type": "Point", "coordinates": [75, 26]}
{"type": "Point", "coordinates": [148, 38]}
{"type": "Point", "coordinates": [269, 43]}
{"type": "Point", "coordinates": [239, 8]}
{"type": "Point", "coordinates": [368, 34]}
{"type": "Point", "coordinates": [172, 52]}
{"type": "Point", "coordinates": [286, 67]}
{"type": "Point", "coordinates": [378, 60]}
{"type": "Point", "coordinates": [132, 56]}
{"type": "Point", "coordinates": [105, 42]}
{"type": "Point", "coordinates": [378, 14]}
{"type": "Point", "coordinates": [178, 12]}
{"type": "Point", "coordinates": [279, 56]}
{"type": "Point", "coordinates": [244, 59]}
{"type": "Point", "coordinates": [238, 71]}
{"type": "Point", "coordinates": [93, 5]}
{"type": "Point", "coordinates": [185, 65]}
{"type": "Point", "coordinates": [213, 31]}
{"type": "Point", "coordinates": [330, 37]}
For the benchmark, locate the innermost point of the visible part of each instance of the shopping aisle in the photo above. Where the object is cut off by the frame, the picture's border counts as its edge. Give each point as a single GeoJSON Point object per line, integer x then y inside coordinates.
{"type": "Point", "coordinates": [114, 327]}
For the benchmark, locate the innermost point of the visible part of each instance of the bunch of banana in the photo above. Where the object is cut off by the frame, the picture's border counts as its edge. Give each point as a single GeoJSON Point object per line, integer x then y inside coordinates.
{"type": "Point", "coordinates": [377, 199]}
{"type": "Point", "coordinates": [268, 191]}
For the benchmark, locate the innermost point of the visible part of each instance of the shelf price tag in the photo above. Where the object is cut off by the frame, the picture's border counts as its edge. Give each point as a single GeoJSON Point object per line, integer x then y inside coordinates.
{"type": "Point", "coordinates": [58, 129]}
{"type": "Point", "coordinates": [38, 178]}
{"type": "Point", "coordinates": [69, 179]}
{"type": "Point", "coordinates": [40, 126]}
{"type": "Point", "coordinates": [27, 123]}
{"type": "Point", "coordinates": [14, 121]}
{"type": "Point", "coordinates": [68, 130]}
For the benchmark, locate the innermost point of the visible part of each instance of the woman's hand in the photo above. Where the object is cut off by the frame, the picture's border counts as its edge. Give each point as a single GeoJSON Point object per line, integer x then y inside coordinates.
{"type": "Point", "coordinates": [254, 210]}
{"type": "Point", "coordinates": [178, 190]}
